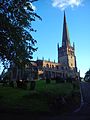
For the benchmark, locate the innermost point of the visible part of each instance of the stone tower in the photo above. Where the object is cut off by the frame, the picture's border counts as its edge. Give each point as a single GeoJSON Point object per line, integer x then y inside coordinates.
{"type": "Point", "coordinates": [66, 53]}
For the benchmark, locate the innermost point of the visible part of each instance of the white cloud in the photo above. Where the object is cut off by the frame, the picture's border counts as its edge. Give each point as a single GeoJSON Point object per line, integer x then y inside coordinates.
{"type": "Point", "coordinates": [62, 4]}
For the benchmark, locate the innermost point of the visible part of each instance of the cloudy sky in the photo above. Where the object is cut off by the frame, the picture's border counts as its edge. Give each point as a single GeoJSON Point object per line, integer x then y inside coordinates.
{"type": "Point", "coordinates": [49, 30]}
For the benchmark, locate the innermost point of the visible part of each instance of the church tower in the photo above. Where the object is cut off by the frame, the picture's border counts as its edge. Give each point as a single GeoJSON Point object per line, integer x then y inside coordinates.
{"type": "Point", "coordinates": [66, 53]}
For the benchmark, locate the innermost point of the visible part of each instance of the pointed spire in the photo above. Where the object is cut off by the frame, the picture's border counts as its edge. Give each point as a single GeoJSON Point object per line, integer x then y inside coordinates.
{"type": "Point", "coordinates": [65, 37]}
{"type": "Point", "coordinates": [64, 18]}
{"type": "Point", "coordinates": [58, 45]}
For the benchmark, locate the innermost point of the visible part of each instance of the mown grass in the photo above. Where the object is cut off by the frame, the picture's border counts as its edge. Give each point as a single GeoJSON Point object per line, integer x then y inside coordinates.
{"type": "Point", "coordinates": [36, 100]}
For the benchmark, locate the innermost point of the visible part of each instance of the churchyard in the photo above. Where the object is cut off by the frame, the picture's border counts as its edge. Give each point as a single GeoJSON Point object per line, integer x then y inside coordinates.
{"type": "Point", "coordinates": [47, 98]}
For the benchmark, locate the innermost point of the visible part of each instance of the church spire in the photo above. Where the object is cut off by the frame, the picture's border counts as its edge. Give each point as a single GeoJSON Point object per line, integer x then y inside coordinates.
{"type": "Point", "coordinates": [65, 37]}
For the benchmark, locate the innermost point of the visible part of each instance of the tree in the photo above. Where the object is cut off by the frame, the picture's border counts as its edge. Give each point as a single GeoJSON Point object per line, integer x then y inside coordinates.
{"type": "Point", "coordinates": [16, 42]}
{"type": "Point", "coordinates": [87, 75]}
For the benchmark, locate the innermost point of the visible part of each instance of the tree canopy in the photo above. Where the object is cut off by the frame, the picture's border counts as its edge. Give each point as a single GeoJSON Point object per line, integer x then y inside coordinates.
{"type": "Point", "coordinates": [16, 41]}
{"type": "Point", "coordinates": [87, 75]}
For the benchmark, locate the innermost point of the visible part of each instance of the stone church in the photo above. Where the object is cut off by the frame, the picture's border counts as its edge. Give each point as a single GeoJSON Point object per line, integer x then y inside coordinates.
{"type": "Point", "coordinates": [66, 66]}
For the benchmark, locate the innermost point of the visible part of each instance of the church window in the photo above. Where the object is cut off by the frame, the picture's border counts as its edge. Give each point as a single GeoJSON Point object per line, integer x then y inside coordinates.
{"type": "Point", "coordinates": [47, 66]}
{"type": "Point", "coordinates": [57, 67]}
{"type": "Point", "coordinates": [52, 66]}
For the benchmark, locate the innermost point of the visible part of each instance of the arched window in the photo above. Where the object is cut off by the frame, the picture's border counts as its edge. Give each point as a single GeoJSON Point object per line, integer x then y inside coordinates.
{"type": "Point", "coordinates": [47, 66]}
{"type": "Point", "coordinates": [57, 67]}
{"type": "Point", "coordinates": [71, 64]}
{"type": "Point", "coordinates": [53, 66]}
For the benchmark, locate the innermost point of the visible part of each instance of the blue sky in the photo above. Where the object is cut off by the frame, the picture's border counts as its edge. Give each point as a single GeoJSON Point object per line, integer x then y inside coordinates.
{"type": "Point", "coordinates": [49, 30]}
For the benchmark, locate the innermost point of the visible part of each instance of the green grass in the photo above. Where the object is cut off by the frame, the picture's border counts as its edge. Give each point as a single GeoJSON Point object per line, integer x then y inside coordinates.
{"type": "Point", "coordinates": [36, 100]}
{"type": "Point", "coordinates": [61, 88]}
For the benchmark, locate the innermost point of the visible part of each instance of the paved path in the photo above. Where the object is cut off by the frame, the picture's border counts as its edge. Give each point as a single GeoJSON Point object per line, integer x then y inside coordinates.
{"type": "Point", "coordinates": [81, 114]}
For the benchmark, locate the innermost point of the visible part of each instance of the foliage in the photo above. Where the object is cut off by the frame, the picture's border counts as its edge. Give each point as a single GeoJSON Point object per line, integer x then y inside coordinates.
{"type": "Point", "coordinates": [16, 42]}
{"type": "Point", "coordinates": [87, 75]}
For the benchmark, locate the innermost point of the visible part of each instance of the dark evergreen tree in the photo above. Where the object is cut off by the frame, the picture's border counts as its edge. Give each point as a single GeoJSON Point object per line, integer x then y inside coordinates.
{"type": "Point", "coordinates": [16, 42]}
{"type": "Point", "coordinates": [87, 75]}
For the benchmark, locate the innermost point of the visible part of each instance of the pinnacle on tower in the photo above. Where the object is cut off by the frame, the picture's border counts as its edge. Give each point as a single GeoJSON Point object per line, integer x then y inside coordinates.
{"type": "Point", "coordinates": [65, 37]}
{"type": "Point", "coordinates": [73, 45]}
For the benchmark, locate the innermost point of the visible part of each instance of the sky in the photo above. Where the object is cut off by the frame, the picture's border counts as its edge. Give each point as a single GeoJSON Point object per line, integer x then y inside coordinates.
{"type": "Point", "coordinates": [49, 30]}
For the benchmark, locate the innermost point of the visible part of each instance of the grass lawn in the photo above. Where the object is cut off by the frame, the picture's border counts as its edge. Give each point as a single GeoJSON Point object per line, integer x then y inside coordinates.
{"type": "Point", "coordinates": [39, 99]}
{"type": "Point", "coordinates": [61, 88]}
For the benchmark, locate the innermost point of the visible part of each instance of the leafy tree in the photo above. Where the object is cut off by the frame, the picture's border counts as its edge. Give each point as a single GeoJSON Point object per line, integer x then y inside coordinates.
{"type": "Point", "coordinates": [87, 75]}
{"type": "Point", "coordinates": [16, 42]}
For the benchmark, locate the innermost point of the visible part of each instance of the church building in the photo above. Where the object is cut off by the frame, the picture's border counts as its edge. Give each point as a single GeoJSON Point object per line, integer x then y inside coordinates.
{"type": "Point", "coordinates": [66, 66]}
